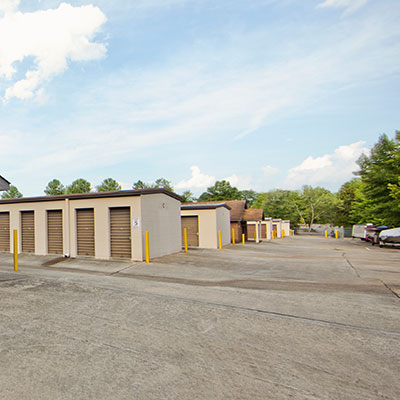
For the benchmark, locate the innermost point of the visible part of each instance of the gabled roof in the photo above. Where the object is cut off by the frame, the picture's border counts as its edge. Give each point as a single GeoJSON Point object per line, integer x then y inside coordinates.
{"type": "Point", "coordinates": [253, 214]}
{"type": "Point", "coordinates": [237, 207]}
{"type": "Point", "coordinates": [4, 184]}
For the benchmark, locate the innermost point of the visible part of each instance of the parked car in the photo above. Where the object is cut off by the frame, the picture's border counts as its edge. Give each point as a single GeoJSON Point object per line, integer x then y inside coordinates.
{"type": "Point", "coordinates": [389, 236]}
{"type": "Point", "coordinates": [372, 232]}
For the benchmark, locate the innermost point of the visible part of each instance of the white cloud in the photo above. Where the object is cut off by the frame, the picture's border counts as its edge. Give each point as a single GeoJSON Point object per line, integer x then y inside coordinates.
{"type": "Point", "coordinates": [197, 181]}
{"type": "Point", "coordinates": [328, 170]}
{"type": "Point", "coordinates": [269, 171]}
{"type": "Point", "coordinates": [7, 6]}
{"type": "Point", "coordinates": [349, 6]}
{"type": "Point", "coordinates": [242, 182]}
{"type": "Point", "coordinates": [51, 37]}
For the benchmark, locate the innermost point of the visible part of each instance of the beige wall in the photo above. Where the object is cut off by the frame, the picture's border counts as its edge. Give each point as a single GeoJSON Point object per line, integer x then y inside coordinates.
{"type": "Point", "coordinates": [268, 226]}
{"type": "Point", "coordinates": [210, 222]}
{"type": "Point", "coordinates": [224, 225]}
{"type": "Point", "coordinates": [158, 214]}
{"type": "Point", "coordinates": [286, 227]}
{"type": "Point", "coordinates": [40, 210]}
{"type": "Point", "coordinates": [278, 224]}
{"type": "Point", "coordinates": [257, 230]}
{"type": "Point", "coordinates": [101, 208]}
{"type": "Point", "coordinates": [161, 215]}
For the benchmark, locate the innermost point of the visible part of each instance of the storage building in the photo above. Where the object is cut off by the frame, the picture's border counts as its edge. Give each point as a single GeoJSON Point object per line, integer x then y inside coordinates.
{"type": "Point", "coordinates": [101, 225]}
{"type": "Point", "coordinates": [203, 222]}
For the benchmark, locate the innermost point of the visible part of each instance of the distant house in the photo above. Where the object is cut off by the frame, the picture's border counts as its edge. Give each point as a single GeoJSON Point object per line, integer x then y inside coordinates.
{"type": "Point", "coordinates": [241, 217]}
{"type": "Point", "coordinates": [4, 184]}
{"type": "Point", "coordinates": [253, 218]}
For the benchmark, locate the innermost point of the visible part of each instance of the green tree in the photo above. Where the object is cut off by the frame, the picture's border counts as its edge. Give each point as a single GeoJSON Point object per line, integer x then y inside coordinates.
{"type": "Point", "coordinates": [158, 183]}
{"type": "Point", "coordinates": [54, 188]}
{"type": "Point", "coordinates": [362, 210]}
{"type": "Point", "coordinates": [221, 190]}
{"type": "Point", "coordinates": [345, 200]}
{"type": "Point", "coordinates": [108, 185]}
{"type": "Point", "coordinates": [163, 183]}
{"type": "Point", "coordinates": [12, 193]}
{"type": "Point", "coordinates": [79, 186]}
{"type": "Point", "coordinates": [248, 195]}
{"type": "Point", "coordinates": [316, 205]}
{"type": "Point", "coordinates": [187, 197]}
{"type": "Point", "coordinates": [279, 204]}
{"type": "Point", "coordinates": [379, 172]}
{"type": "Point", "coordinates": [140, 185]}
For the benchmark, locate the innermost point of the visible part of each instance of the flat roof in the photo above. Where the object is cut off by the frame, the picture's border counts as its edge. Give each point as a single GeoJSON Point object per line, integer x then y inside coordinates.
{"type": "Point", "coordinates": [93, 195]}
{"type": "Point", "coordinates": [196, 206]}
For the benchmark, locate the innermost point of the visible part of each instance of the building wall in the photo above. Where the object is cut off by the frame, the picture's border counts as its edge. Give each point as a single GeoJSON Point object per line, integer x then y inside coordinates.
{"type": "Point", "coordinates": [253, 230]}
{"type": "Point", "coordinates": [278, 224]}
{"type": "Point", "coordinates": [161, 216]}
{"type": "Point", "coordinates": [286, 227]}
{"type": "Point", "coordinates": [238, 231]}
{"type": "Point", "coordinates": [210, 221]}
{"type": "Point", "coordinates": [268, 229]}
{"type": "Point", "coordinates": [158, 214]}
{"type": "Point", "coordinates": [102, 225]}
{"type": "Point", "coordinates": [223, 224]}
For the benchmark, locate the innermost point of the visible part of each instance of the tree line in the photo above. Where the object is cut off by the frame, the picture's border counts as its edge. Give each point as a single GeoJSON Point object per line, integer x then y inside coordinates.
{"type": "Point", "coordinates": [373, 195]}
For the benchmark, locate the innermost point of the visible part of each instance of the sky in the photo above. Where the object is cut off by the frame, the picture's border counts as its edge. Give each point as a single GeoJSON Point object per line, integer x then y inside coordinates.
{"type": "Point", "coordinates": [264, 93]}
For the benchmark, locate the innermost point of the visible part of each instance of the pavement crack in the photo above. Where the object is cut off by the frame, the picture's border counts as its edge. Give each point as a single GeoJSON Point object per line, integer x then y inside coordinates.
{"type": "Point", "coordinates": [123, 269]}
{"type": "Point", "coordinates": [351, 265]}
{"type": "Point", "coordinates": [390, 289]}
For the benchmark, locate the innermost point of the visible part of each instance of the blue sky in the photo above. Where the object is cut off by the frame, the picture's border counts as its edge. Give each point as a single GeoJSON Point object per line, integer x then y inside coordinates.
{"type": "Point", "coordinates": [264, 93]}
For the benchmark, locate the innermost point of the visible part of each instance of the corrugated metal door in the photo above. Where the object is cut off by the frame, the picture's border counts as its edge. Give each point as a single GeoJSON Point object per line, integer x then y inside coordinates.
{"type": "Point", "coordinates": [263, 231]}
{"type": "Point", "coordinates": [28, 231]}
{"type": "Point", "coordinates": [120, 232]}
{"type": "Point", "coordinates": [54, 232]}
{"type": "Point", "coordinates": [251, 232]}
{"type": "Point", "coordinates": [85, 231]}
{"type": "Point", "coordinates": [5, 231]}
{"type": "Point", "coordinates": [192, 226]}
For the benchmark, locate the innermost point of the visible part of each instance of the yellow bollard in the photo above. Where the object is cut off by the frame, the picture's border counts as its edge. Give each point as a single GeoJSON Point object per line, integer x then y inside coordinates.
{"type": "Point", "coordinates": [147, 247]}
{"type": "Point", "coordinates": [243, 238]}
{"type": "Point", "coordinates": [220, 240]}
{"type": "Point", "coordinates": [336, 234]}
{"type": "Point", "coordinates": [283, 234]}
{"type": "Point", "coordinates": [185, 239]}
{"type": "Point", "coordinates": [233, 235]}
{"type": "Point", "coordinates": [326, 234]}
{"type": "Point", "coordinates": [15, 250]}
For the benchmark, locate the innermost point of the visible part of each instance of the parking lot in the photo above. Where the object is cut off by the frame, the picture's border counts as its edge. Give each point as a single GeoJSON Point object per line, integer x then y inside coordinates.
{"type": "Point", "coordinates": [296, 318]}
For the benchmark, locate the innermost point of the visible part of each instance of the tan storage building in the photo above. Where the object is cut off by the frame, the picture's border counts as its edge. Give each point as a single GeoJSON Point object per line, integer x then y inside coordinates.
{"type": "Point", "coordinates": [253, 218]}
{"type": "Point", "coordinates": [101, 225]}
{"type": "Point", "coordinates": [277, 227]}
{"type": "Point", "coordinates": [266, 229]}
{"type": "Point", "coordinates": [285, 228]}
{"type": "Point", "coordinates": [237, 208]}
{"type": "Point", "coordinates": [203, 222]}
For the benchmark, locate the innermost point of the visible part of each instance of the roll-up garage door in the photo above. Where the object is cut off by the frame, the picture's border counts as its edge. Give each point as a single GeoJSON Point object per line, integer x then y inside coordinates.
{"type": "Point", "coordinates": [120, 232]}
{"type": "Point", "coordinates": [85, 231]}
{"type": "Point", "coordinates": [54, 232]}
{"type": "Point", "coordinates": [251, 232]}
{"type": "Point", "coordinates": [5, 231]}
{"type": "Point", "coordinates": [192, 226]}
{"type": "Point", "coordinates": [28, 231]}
{"type": "Point", "coordinates": [263, 231]}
